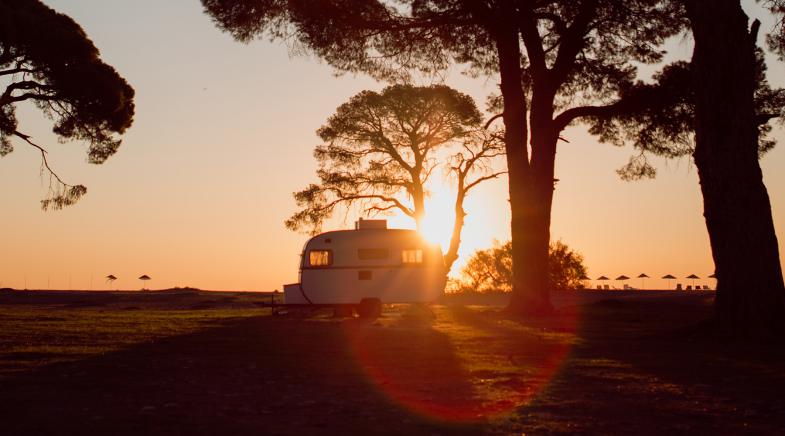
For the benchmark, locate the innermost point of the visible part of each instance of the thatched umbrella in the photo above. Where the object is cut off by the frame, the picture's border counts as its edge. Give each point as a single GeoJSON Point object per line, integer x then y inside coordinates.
{"type": "Point", "coordinates": [110, 278]}
{"type": "Point", "coordinates": [693, 277]}
{"type": "Point", "coordinates": [602, 279]}
{"type": "Point", "coordinates": [144, 278]}
{"type": "Point", "coordinates": [669, 277]}
{"type": "Point", "coordinates": [643, 278]}
{"type": "Point", "coordinates": [622, 278]}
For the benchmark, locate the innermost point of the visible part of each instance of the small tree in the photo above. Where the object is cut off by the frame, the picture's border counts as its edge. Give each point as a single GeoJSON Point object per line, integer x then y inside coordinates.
{"type": "Point", "coordinates": [47, 59]}
{"type": "Point", "coordinates": [380, 147]}
{"type": "Point", "coordinates": [469, 167]}
{"type": "Point", "coordinates": [491, 269]}
{"type": "Point", "coordinates": [565, 267]}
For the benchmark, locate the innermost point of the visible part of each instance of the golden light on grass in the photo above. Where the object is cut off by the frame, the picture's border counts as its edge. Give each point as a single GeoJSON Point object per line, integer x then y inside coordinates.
{"type": "Point", "coordinates": [460, 364]}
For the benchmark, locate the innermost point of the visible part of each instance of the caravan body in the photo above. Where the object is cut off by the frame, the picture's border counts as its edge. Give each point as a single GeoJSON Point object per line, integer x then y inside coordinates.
{"type": "Point", "coordinates": [370, 262]}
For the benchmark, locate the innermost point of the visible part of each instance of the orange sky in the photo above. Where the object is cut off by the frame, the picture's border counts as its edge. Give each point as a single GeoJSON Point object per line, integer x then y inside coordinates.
{"type": "Point", "coordinates": [223, 135]}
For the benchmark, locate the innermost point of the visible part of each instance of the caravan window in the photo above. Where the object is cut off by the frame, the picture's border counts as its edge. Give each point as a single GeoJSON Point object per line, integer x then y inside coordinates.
{"type": "Point", "coordinates": [320, 258]}
{"type": "Point", "coordinates": [411, 256]}
{"type": "Point", "coordinates": [373, 253]}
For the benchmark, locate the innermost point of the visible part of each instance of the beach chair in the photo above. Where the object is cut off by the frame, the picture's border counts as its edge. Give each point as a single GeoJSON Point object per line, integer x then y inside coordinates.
{"type": "Point", "coordinates": [689, 287]}
{"type": "Point", "coordinates": [678, 286]}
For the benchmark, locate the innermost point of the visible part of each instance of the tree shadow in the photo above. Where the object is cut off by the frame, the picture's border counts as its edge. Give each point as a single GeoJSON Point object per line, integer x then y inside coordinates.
{"type": "Point", "coordinates": [250, 376]}
{"type": "Point", "coordinates": [635, 370]}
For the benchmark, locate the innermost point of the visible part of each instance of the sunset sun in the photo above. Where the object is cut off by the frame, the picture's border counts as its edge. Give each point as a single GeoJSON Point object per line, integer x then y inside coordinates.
{"type": "Point", "coordinates": [439, 215]}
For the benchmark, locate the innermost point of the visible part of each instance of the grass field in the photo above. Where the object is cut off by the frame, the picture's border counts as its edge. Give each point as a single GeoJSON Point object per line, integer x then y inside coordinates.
{"type": "Point", "coordinates": [216, 363]}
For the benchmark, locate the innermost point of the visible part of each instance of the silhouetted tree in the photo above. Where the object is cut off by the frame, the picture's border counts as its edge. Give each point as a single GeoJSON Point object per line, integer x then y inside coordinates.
{"type": "Point", "coordinates": [491, 269]}
{"type": "Point", "coordinates": [750, 292]}
{"type": "Point", "coordinates": [552, 57]}
{"type": "Point", "coordinates": [46, 58]}
{"type": "Point", "coordinates": [717, 109]}
{"type": "Point", "coordinates": [470, 166]}
{"type": "Point", "coordinates": [379, 146]}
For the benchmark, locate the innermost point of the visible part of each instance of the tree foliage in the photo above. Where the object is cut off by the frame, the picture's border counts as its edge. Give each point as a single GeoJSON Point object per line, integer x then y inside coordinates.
{"type": "Point", "coordinates": [388, 39]}
{"type": "Point", "coordinates": [379, 146]}
{"type": "Point", "coordinates": [47, 59]}
{"type": "Point", "coordinates": [776, 39]}
{"type": "Point", "coordinates": [491, 269]}
{"type": "Point", "coordinates": [658, 117]}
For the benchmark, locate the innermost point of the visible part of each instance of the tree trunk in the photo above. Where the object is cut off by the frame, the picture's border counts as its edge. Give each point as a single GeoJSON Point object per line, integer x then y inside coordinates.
{"type": "Point", "coordinates": [418, 199]}
{"type": "Point", "coordinates": [750, 301]}
{"type": "Point", "coordinates": [537, 214]}
{"type": "Point", "coordinates": [457, 226]}
{"type": "Point", "coordinates": [528, 226]}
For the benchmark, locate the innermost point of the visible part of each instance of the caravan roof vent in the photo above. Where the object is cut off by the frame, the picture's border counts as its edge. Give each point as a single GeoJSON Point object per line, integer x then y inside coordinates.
{"type": "Point", "coordinates": [363, 224]}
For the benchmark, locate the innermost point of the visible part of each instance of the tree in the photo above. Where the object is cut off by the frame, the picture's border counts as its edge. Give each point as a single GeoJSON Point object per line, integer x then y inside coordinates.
{"type": "Point", "coordinates": [552, 58]}
{"type": "Point", "coordinates": [474, 158]}
{"type": "Point", "coordinates": [565, 268]}
{"type": "Point", "coordinates": [47, 59]}
{"type": "Point", "coordinates": [379, 146]}
{"type": "Point", "coordinates": [491, 269]}
{"type": "Point", "coordinates": [717, 109]}
{"type": "Point", "coordinates": [750, 299]}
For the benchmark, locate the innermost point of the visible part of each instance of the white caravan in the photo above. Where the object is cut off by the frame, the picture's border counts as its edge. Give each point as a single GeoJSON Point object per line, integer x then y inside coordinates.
{"type": "Point", "coordinates": [368, 264]}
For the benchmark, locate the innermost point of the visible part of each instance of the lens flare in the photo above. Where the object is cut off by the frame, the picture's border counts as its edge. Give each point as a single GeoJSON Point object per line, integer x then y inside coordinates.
{"type": "Point", "coordinates": [458, 364]}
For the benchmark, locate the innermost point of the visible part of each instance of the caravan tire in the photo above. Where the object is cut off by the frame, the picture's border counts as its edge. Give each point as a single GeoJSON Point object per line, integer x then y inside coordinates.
{"type": "Point", "coordinates": [370, 308]}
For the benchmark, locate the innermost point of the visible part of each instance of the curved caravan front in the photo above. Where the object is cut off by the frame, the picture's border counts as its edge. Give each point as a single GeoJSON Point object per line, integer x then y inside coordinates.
{"type": "Point", "coordinates": [345, 267]}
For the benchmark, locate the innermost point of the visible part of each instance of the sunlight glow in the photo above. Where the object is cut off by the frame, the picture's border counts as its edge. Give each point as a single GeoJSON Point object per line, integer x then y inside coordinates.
{"type": "Point", "coordinates": [484, 222]}
{"type": "Point", "coordinates": [439, 215]}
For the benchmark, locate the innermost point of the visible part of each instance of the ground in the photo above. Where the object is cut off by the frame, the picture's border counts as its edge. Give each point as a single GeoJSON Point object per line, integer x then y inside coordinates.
{"type": "Point", "coordinates": [185, 361]}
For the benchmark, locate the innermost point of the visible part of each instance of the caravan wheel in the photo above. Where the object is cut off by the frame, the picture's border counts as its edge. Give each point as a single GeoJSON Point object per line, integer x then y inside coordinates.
{"type": "Point", "coordinates": [370, 308]}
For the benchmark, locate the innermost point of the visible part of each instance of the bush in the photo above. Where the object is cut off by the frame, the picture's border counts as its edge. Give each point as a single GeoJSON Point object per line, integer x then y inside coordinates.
{"type": "Point", "coordinates": [491, 269]}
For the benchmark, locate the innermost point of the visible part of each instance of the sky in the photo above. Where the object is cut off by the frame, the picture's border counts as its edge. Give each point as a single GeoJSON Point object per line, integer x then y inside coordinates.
{"type": "Point", "coordinates": [223, 135]}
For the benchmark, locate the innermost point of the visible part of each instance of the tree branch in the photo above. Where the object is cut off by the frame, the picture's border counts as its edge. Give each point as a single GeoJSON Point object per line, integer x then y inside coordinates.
{"type": "Point", "coordinates": [16, 70]}
{"type": "Point", "coordinates": [43, 151]}
{"type": "Point", "coordinates": [482, 179]}
{"type": "Point", "coordinates": [765, 118]}
{"type": "Point", "coordinates": [572, 41]}
{"type": "Point", "coordinates": [568, 116]}
{"type": "Point", "coordinates": [491, 120]}
{"type": "Point", "coordinates": [533, 42]}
